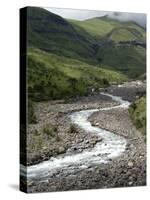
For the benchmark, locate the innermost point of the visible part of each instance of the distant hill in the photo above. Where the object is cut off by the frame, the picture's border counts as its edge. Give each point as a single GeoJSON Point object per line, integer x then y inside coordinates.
{"type": "Point", "coordinates": [121, 45]}
{"type": "Point", "coordinates": [104, 27]}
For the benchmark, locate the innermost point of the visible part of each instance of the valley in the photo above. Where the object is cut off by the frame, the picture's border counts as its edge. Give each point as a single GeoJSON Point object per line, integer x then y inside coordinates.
{"type": "Point", "coordinates": [86, 100]}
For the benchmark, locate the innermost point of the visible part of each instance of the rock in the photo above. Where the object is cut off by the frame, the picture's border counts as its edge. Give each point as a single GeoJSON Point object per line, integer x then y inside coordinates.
{"type": "Point", "coordinates": [93, 142]}
{"type": "Point", "coordinates": [74, 148]}
{"type": "Point", "coordinates": [81, 140]}
{"type": "Point", "coordinates": [130, 183]}
{"type": "Point", "coordinates": [80, 150]}
{"type": "Point", "coordinates": [99, 139]}
{"type": "Point", "coordinates": [86, 141]}
{"type": "Point", "coordinates": [30, 183]}
{"type": "Point", "coordinates": [130, 164]}
{"type": "Point", "coordinates": [72, 176]}
{"type": "Point", "coordinates": [61, 150]}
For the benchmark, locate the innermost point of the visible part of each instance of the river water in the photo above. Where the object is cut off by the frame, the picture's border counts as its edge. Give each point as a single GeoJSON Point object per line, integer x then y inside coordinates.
{"type": "Point", "coordinates": [110, 147]}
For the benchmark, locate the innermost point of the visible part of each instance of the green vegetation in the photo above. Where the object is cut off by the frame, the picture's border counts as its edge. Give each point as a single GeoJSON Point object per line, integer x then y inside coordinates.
{"type": "Point", "coordinates": [126, 58]}
{"type": "Point", "coordinates": [31, 113]}
{"type": "Point", "coordinates": [50, 131]}
{"type": "Point", "coordinates": [138, 114]}
{"type": "Point", "coordinates": [54, 34]}
{"type": "Point", "coordinates": [104, 27]}
{"type": "Point", "coordinates": [54, 77]}
{"type": "Point", "coordinates": [142, 77]}
{"type": "Point", "coordinates": [130, 60]}
{"type": "Point", "coordinates": [73, 129]}
{"type": "Point", "coordinates": [99, 26]}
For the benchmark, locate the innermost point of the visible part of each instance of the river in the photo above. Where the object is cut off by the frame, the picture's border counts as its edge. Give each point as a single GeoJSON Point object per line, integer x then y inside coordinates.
{"type": "Point", "coordinates": [111, 146]}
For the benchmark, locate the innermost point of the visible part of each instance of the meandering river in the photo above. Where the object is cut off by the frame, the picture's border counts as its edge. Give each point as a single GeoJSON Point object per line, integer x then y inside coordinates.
{"type": "Point", "coordinates": [111, 146]}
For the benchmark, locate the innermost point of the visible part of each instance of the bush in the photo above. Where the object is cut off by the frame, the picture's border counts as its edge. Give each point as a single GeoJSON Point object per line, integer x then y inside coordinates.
{"type": "Point", "coordinates": [73, 129]}
{"type": "Point", "coordinates": [51, 130]}
{"type": "Point", "coordinates": [138, 114]}
{"type": "Point", "coordinates": [31, 113]}
{"type": "Point", "coordinates": [105, 81]}
{"type": "Point", "coordinates": [48, 131]}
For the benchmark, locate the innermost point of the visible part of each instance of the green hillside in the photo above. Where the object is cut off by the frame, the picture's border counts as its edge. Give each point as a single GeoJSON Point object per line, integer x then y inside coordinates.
{"type": "Point", "coordinates": [104, 27]}
{"type": "Point", "coordinates": [138, 114]}
{"type": "Point", "coordinates": [55, 77]}
{"type": "Point", "coordinates": [52, 33]}
{"type": "Point", "coordinates": [130, 60]}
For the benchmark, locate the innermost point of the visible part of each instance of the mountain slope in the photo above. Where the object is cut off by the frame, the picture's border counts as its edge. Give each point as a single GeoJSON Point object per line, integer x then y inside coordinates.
{"type": "Point", "coordinates": [128, 59]}
{"type": "Point", "coordinates": [55, 77]}
{"type": "Point", "coordinates": [52, 33]}
{"type": "Point", "coordinates": [104, 27]}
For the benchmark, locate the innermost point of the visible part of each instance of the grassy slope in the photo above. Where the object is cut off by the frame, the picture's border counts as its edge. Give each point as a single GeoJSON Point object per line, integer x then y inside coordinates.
{"type": "Point", "coordinates": [54, 77]}
{"type": "Point", "coordinates": [115, 30]}
{"type": "Point", "coordinates": [97, 26]}
{"type": "Point", "coordinates": [52, 33]}
{"type": "Point", "coordinates": [130, 60]}
{"type": "Point", "coordinates": [138, 114]}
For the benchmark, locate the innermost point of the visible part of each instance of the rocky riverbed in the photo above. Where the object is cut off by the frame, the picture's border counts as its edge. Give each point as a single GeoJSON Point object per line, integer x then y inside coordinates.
{"type": "Point", "coordinates": [129, 169]}
{"type": "Point", "coordinates": [67, 137]}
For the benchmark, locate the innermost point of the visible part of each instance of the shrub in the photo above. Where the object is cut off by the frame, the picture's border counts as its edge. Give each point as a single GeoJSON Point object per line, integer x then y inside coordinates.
{"type": "Point", "coordinates": [57, 138]}
{"type": "Point", "coordinates": [105, 81]}
{"type": "Point", "coordinates": [138, 114]}
{"type": "Point", "coordinates": [73, 129]}
{"type": "Point", "coordinates": [50, 130]}
{"type": "Point", "coordinates": [31, 113]}
{"type": "Point", "coordinates": [55, 128]}
{"type": "Point", "coordinates": [35, 132]}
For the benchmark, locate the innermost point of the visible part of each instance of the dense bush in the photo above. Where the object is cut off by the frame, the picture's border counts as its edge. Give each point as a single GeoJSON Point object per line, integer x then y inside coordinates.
{"type": "Point", "coordinates": [73, 129]}
{"type": "Point", "coordinates": [138, 114]}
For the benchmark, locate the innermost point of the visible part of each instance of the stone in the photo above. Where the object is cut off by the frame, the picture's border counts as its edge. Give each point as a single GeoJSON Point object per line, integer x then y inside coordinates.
{"type": "Point", "coordinates": [93, 142]}
{"type": "Point", "coordinates": [30, 183]}
{"type": "Point", "coordinates": [99, 139]}
{"type": "Point", "coordinates": [86, 141]}
{"type": "Point", "coordinates": [61, 150]}
{"type": "Point", "coordinates": [130, 164]}
{"type": "Point", "coordinates": [80, 150]}
{"type": "Point", "coordinates": [130, 183]}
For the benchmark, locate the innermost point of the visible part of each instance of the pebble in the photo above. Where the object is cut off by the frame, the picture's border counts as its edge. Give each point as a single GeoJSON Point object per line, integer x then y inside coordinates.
{"type": "Point", "coordinates": [130, 164]}
{"type": "Point", "coordinates": [61, 150]}
{"type": "Point", "coordinates": [130, 183]}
